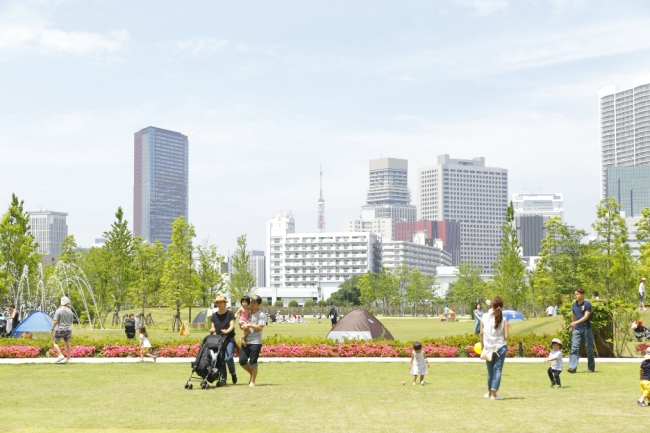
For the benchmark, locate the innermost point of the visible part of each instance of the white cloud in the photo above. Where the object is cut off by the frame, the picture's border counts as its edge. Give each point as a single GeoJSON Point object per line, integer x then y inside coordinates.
{"type": "Point", "coordinates": [483, 7]}
{"type": "Point", "coordinates": [23, 29]}
{"type": "Point", "coordinates": [197, 45]}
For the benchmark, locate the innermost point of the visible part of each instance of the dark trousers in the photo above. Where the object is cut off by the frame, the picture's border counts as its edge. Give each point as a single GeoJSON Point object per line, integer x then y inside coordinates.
{"type": "Point", "coordinates": [554, 375]}
{"type": "Point", "coordinates": [333, 321]}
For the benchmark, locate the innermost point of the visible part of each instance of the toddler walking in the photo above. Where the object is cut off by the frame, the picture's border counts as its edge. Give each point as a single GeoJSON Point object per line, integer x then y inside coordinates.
{"type": "Point", "coordinates": [242, 315]}
{"type": "Point", "coordinates": [555, 358]}
{"type": "Point", "coordinates": [419, 363]}
{"type": "Point", "coordinates": [145, 346]}
{"type": "Point", "coordinates": [644, 376]}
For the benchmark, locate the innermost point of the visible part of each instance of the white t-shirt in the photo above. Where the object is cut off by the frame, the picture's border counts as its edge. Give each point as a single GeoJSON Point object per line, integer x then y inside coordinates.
{"type": "Point", "coordinates": [558, 364]}
{"type": "Point", "coordinates": [642, 289]}
{"type": "Point", "coordinates": [144, 341]}
{"type": "Point", "coordinates": [493, 339]}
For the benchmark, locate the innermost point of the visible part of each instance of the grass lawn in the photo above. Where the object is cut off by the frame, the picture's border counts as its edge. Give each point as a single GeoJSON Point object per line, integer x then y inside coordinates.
{"type": "Point", "coordinates": [333, 397]}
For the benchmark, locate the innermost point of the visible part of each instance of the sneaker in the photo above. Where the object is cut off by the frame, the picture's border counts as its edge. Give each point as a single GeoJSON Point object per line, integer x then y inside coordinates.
{"type": "Point", "coordinates": [233, 377]}
{"type": "Point", "coordinates": [571, 370]}
{"type": "Point", "coordinates": [641, 403]}
{"type": "Point", "coordinates": [497, 397]}
{"type": "Point", "coordinates": [59, 359]}
{"type": "Point", "coordinates": [590, 371]}
{"type": "Point", "coordinates": [413, 383]}
{"type": "Point", "coordinates": [65, 361]}
{"type": "Point", "coordinates": [558, 386]}
{"type": "Point", "coordinates": [487, 395]}
{"type": "Point", "coordinates": [552, 385]}
{"type": "Point", "coordinates": [422, 383]}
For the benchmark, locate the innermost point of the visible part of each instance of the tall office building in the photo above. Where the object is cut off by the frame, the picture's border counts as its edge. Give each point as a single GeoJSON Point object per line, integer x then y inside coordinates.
{"type": "Point", "coordinates": [532, 212]}
{"type": "Point", "coordinates": [415, 254]}
{"type": "Point", "coordinates": [624, 127]}
{"type": "Point", "coordinates": [630, 186]}
{"type": "Point", "coordinates": [468, 192]}
{"type": "Point", "coordinates": [389, 195]}
{"type": "Point", "coordinates": [448, 232]}
{"type": "Point", "coordinates": [383, 226]}
{"type": "Point", "coordinates": [160, 192]}
{"type": "Point", "coordinates": [257, 265]}
{"type": "Point", "coordinates": [49, 230]}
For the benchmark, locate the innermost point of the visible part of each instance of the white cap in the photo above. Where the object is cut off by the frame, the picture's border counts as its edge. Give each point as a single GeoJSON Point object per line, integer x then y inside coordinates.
{"type": "Point", "coordinates": [65, 300]}
{"type": "Point", "coordinates": [488, 302]}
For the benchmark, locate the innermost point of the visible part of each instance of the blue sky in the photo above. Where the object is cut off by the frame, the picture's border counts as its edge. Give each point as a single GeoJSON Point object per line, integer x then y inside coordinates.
{"type": "Point", "coordinates": [267, 91]}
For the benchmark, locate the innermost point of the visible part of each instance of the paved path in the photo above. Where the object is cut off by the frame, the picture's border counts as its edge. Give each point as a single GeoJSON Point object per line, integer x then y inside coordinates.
{"type": "Point", "coordinates": [264, 360]}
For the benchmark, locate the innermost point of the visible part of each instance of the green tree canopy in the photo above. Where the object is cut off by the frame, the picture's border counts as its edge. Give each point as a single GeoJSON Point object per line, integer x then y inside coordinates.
{"type": "Point", "coordinates": [119, 246]}
{"type": "Point", "coordinates": [242, 280]}
{"type": "Point", "coordinates": [508, 278]}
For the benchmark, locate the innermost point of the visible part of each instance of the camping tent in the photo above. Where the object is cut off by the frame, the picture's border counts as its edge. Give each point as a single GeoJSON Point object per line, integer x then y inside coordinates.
{"type": "Point", "coordinates": [513, 316]}
{"type": "Point", "coordinates": [200, 318]}
{"type": "Point", "coordinates": [359, 325]}
{"type": "Point", "coordinates": [37, 321]}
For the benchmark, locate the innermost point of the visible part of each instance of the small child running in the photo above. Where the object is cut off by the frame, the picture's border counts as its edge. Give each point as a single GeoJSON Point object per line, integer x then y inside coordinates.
{"type": "Point", "coordinates": [419, 363]}
{"type": "Point", "coordinates": [644, 377]}
{"type": "Point", "coordinates": [145, 346]}
{"type": "Point", "coordinates": [555, 358]}
{"type": "Point", "coordinates": [242, 315]}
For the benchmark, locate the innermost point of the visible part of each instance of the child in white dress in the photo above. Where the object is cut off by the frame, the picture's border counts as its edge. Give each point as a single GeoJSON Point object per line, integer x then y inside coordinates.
{"type": "Point", "coordinates": [145, 345]}
{"type": "Point", "coordinates": [419, 363]}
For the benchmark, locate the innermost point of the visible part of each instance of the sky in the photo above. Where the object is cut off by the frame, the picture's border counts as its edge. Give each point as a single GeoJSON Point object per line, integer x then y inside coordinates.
{"type": "Point", "coordinates": [269, 91]}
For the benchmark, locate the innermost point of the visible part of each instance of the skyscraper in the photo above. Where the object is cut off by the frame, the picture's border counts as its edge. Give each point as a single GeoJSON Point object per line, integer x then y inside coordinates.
{"type": "Point", "coordinates": [257, 265]}
{"type": "Point", "coordinates": [389, 195]}
{"type": "Point", "coordinates": [624, 127]}
{"type": "Point", "coordinates": [446, 231]}
{"type": "Point", "coordinates": [630, 186]}
{"type": "Point", "coordinates": [49, 230]}
{"type": "Point", "coordinates": [532, 212]}
{"type": "Point", "coordinates": [476, 196]}
{"type": "Point", "coordinates": [161, 183]}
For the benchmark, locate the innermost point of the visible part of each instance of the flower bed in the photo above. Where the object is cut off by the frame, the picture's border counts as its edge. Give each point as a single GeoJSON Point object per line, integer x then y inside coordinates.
{"type": "Point", "coordinates": [182, 351]}
{"type": "Point", "coordinates": [77, 351]}
{"type": "Point", "coordinates": [116, 351]}
{"type": "Point", "coordinates": [19, 351]}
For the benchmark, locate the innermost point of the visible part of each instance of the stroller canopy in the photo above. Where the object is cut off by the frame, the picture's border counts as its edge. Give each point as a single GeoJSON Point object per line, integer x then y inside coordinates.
{"type": "Point", "coordinates": [359, 325]}
{"type": "Point", "coordinates": [513, 316]}
{"type": "Point", "coordinates": [37, 321]}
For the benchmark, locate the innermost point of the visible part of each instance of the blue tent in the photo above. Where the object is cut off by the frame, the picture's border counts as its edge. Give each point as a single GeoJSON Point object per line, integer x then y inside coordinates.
{"type": "Point", "coordinates": [38, 321]}
{"type": "Point", "coordinates": [513, 316]}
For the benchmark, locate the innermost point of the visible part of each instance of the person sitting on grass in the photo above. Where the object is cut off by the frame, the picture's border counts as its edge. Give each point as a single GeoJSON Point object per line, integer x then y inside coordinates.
{"type": "Point", "coordinates": [145, 345]}
{"type": "Point", "coordinates": [644, 377]}
{"type": "Point", "coordinates": [243, 315]}
{"type": "Point", "coordinates": [419, 363]}
{"type": "Point", "coordinates": [555, 357]}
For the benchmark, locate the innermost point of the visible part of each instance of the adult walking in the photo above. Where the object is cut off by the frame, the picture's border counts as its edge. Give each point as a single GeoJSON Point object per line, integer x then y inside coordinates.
{"type": "Point", "coordinates": [249, 354]}
{"type": "Point", "coordinates": [223, 323]}
{"type": "Point", "coordinates": [478, 313]}
{"type": "Point", "coordinates": [494, 340]}
{"type": "Point", "coordinates": [333, 314]}
{"type": "Point", "coordinates": [581, 326]}
{"type": "Point", "coordinates": [642, 294]}
{"type": "Point", "coordinates": [63, 326]}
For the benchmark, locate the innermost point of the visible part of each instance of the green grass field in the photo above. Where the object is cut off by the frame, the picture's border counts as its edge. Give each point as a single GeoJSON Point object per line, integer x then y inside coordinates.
{"type": "Point", "coordinates": [293, 397]}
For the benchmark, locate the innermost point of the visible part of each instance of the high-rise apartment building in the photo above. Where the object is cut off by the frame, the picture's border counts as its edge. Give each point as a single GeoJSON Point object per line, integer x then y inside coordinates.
{"type": "Point", "coordinates": [448, 232]}
{"type": "Point", "coordinates": [468, 192]}
{"type": "Point", "coordinates": [630, 186]}
{"type": "Point", "coordinates": [624, 127]}
{"type": "Point", "coordinates": [160, 192]}
{"type": "Point", "coordinates": [532, 212]}
{"type": "Point", "coordinates": [389, 195]}
{"type": "Point", "coordinates": [383, 226]}
{"type": "Point", "coordinates": [49, 230]}
{"type": "Point", "coordinates": [257, 265]}
{"type": "Point", "coordinates": [415, 254]}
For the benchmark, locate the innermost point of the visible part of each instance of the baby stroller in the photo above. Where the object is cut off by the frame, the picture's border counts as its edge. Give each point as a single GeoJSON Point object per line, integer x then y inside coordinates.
{"type": "Point", "coordinates": [208, 363]}
{"type": "Point", "coordinates": [3, 326]}
{"type": "Point", "coordinates": [129, 328]}
{"type": "Point", "coordinates": [641, 331]}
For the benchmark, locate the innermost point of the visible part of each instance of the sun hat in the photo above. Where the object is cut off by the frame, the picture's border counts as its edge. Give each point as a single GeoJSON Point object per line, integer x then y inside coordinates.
{"type": "Point", "coordinates": [556, 340]}
{"type": "Point", "coordinates": [647, 353]}
{"type": "Point", "coordinates": [220, 299]}
{"type": "Point", "coordinates": [65, 300]}
{"type": "Point", "coordinates": [488, 302]}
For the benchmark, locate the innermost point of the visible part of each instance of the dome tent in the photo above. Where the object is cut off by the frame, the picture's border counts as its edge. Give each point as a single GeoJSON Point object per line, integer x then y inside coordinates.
{"type": "Point", "coordinates": [37, 321]}
{"type": "Point", "coordinates": [200, 318]}
{"type": "Point", "coordinates": [359, 325]}
{"type": "Point", "coordinates": [513, 316]}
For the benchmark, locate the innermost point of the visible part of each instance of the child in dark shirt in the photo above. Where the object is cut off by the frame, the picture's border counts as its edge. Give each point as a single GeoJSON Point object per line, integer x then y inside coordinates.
{"type": "Point", "coordinates": [644, 376]}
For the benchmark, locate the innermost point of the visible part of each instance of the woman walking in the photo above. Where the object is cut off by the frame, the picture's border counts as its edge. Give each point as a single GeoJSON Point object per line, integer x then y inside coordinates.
{"type": "Point", "coordinates": [478, 313]}
{"type": "Point", "coordinates": [494, 337]}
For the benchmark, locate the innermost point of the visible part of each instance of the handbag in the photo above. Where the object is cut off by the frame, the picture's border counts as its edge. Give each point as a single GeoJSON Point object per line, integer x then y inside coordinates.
{"type": "Point", "coordinates": [486, 354]}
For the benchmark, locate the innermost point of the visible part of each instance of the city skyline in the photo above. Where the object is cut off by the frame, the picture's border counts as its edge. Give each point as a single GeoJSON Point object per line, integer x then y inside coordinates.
{"type": "Point", "coordinates": [265, 104]}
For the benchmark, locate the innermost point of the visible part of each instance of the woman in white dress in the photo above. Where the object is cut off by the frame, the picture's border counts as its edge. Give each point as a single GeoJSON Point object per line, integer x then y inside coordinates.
{"type": "Point", "coordinates": [494, 340]}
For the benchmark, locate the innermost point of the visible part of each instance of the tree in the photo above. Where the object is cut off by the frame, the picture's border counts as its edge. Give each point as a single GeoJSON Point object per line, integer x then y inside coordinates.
{"type": "Point", "coordinates": [278, 303]}
{"type": "Point", "coordinates": [97, 268]}
{"type": "Point", "coordinates": [69, 251]}
{"type": "Point", "coordinates": [309, 303]}
{"type": "Point", "coordinates": [402, 277]}
{"type": "Point", "coordinates": [321, 304]}
{"type": "Point", "coordinates": [612, 237]}
{"type": "Point", "coordinates": [508, 278]}
{"type": "Point", "coordinates": [119, 245]}
{"type": "Point", "coordinates": [148, 267]}
{"type": "Point", "coordinates": [367, 286]}
{"type": "Point", "coordinates": [242, 280]}
{"type": "Point", "coordinates": [17, 249]}
{"type": "Point", "coordinates": [419, 289]}
{"type": "Point", "coordinates": [293, 303]}
{"type": "Point", "coordinates": [208, 268]}
{"type": "Point", "coordinates": [180, 286]}
{"type": "Point", "coordinates": [348, 292]}
{"type": "Point", "coordinates": [469, 288]}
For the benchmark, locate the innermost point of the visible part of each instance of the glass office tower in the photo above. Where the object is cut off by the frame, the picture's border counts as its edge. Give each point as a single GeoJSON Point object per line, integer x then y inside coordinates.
{"type": "Point", "coordinates": [630, 186]}
{"type": "Point", "coordinates": [160, 193]}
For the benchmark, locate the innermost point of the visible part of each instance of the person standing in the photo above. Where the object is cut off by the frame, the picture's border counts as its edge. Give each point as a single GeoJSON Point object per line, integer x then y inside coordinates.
{"type": "Point", "coordinates": [13, 319]}
{"type": "Point", "coordinates": [478, 313]}
{"type": "Point", "coordinates": [581, 326]}
{"type": "Point", "coordinates": [494, 341]}
{"type": "Point", "coordinates": [249, 354]}
{"type": "Point", "coordinates": [333, 314]}
{"type": "Point", "coordinates": [642, 294]}
{"type": "Point", "coordinates": [63, 326]}
{"type": "Point", "coordinates": [223, 323]}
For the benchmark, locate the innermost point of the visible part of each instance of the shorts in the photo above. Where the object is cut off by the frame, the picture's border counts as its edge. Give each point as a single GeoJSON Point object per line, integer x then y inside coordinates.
{"type": "Point", "coordinates": [66, 335]}
{"type": "Point", "coordinates": [641, 296]}
{"type": "Point", "coordinates": [249, 354]}
{"type": "Point", "coordinates": [645, 388]}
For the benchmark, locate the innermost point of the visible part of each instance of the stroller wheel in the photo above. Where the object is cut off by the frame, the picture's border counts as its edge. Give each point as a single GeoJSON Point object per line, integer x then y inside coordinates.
{"type": "Point", "coordinates": [187, 386]}
{"type": "Point", "coordinates": [207, 386]}
{"type": "Point", "coordinates": [191, 386]}
{"type": "Point", "coordinates": [218, 384]}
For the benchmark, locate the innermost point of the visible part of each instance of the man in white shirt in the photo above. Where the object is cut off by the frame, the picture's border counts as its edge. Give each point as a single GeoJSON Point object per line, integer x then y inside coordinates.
{"type": "Point", "coordinates": [642, 294]}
